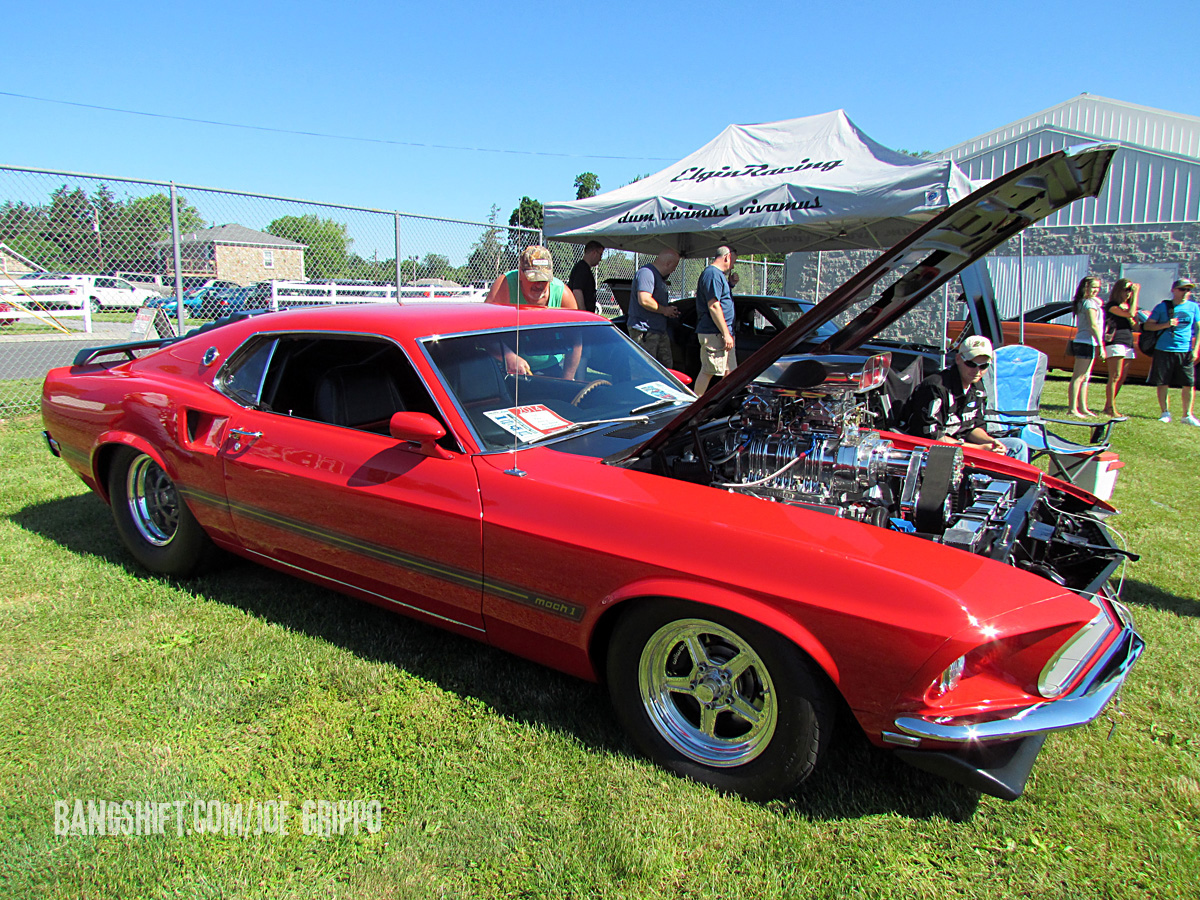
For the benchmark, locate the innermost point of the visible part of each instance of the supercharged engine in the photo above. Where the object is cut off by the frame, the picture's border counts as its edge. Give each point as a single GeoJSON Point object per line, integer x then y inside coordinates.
{"type": "Point", "coordinates": [802, 435]}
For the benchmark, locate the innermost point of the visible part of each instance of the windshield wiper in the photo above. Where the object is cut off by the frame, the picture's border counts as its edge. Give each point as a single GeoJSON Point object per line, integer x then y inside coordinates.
{"type": "Point", "coordinates": [579, 426]}
{"type": "Point", "coordinates": [656, 404]}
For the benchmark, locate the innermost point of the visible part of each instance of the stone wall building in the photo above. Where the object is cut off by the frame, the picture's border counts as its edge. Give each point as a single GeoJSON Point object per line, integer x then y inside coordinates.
{"type": "Point", "coordinates": [238, 254]}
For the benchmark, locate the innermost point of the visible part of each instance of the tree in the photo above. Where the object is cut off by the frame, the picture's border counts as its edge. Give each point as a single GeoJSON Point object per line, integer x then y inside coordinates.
{"type": "Point", "coordinates": [327, 243]}
{"type": "Point", "coordinates": [586, 185]}
{"type": "Point", "coordinates": [529, 214]}
{"type": "Point", "coordinates": [81, 232]}
{"type": "Point", "coordinates": [487, 254]}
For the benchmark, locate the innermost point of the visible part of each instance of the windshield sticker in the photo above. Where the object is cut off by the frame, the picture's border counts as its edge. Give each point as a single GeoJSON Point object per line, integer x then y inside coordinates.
{"type": "Point", "coordinates": [528, 423]}
{"type": "Point", "coordinates": [660, 390]}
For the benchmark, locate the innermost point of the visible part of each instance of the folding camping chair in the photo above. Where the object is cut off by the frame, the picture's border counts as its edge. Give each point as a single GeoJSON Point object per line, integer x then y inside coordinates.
{"type": "Point", "coordinates": [1013, 385]}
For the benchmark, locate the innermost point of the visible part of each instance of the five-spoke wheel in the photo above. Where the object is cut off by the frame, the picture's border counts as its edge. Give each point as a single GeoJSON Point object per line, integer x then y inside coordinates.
{"type": "Point", "coordinates": [717, 697]}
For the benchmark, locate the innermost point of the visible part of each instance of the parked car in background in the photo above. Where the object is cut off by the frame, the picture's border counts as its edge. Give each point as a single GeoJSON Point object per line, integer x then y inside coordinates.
{"type": "Point", "coordinates": [67, 291]}
{"type": "Point", "coordinates": [1052, 337]}
{"type": "Point", "coordinates": [8, 315]}
{"type": "Point", "coordinates": [200, 301]}
{"type": "Point", "coordinates": [759, 318]}
{"type": "Point", "coordinates": [163, 285]}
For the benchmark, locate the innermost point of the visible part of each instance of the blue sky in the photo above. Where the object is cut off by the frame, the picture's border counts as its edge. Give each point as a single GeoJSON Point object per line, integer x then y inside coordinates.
{"type": "Point", "coordinates": [543, 91]}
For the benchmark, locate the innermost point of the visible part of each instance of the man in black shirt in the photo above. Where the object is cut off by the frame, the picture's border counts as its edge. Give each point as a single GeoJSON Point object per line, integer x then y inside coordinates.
{"type": "Point", "coordinates": [582, 280]}
{"type": "Point", "coordinates": [948, 405]}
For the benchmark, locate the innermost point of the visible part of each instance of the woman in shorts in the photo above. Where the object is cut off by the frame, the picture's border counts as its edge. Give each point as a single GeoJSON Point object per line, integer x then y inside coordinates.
{"type": "Point", "coordinates": [1119, 315]}
{"type": "Point", "coordinates": [1087, 344]}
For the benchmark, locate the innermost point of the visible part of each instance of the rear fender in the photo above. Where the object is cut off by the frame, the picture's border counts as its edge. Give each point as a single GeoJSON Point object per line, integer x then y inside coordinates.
{"type": "Point", "coordinates": [107, 444]}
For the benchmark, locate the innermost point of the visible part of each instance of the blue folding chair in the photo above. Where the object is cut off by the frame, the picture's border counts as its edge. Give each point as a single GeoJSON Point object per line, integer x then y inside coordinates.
{"type": "Point", "coordinates": [1013, 384]}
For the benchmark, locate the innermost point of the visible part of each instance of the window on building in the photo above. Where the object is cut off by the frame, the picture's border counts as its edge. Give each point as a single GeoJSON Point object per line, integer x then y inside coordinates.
{"type": "Point", "coordinates": [268, 259]}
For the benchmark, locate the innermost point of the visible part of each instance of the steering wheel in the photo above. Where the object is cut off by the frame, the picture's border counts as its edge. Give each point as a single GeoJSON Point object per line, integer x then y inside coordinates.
{"type": "Point", "coordinates": [588, 388]}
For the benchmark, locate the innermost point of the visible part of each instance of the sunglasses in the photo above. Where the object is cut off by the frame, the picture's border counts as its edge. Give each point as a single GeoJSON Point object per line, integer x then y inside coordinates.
{"type": "Point", "coordinates": [971, 364]}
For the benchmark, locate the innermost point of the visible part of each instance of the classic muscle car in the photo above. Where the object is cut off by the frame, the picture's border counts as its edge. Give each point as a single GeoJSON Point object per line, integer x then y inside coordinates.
{"type": "Point", "coordinates": [736, 568]}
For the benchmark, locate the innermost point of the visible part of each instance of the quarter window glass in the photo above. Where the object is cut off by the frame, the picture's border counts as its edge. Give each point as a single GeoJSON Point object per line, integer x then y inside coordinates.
{"type": "Point", "coordinates": [242, 379]}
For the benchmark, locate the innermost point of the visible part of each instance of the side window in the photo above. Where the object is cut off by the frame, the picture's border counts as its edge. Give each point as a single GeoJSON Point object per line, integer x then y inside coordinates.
{"type": "Point", "coordinates": [242, 377]}
{"type": "Point", "coordinates": [268, 259]}
{"type": "Point", "coordinates": [351, 382]}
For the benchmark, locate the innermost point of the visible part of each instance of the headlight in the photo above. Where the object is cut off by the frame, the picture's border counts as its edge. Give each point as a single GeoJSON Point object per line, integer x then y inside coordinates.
{"type": "Point", "coordinates": [948, 680]}
{"type": "Point", "coordinates": [1064, 665]}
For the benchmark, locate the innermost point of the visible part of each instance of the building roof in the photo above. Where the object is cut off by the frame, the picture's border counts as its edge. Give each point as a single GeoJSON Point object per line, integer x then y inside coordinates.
{"type": "Point", "coordinates": [1154, 176]}
{"type": "Point", "coordinates": [1091, 117]}
{"type": "Point", "coordinates": [13, 254]}
{"type": "Point", "coordinates": [236, 234]}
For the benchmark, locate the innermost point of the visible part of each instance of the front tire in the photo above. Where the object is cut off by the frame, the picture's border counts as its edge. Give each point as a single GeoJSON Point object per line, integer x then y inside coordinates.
{"type": "Point", "coordinates": [715, 697]}
{"type": "Point", "coordinates": [153, 521]}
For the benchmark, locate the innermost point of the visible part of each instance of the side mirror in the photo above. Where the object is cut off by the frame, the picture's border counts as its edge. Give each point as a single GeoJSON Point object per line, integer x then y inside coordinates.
{"type": "Point", "coordinates": [686, 379]}
{"type": "Point", "coordinates": [421, 430]}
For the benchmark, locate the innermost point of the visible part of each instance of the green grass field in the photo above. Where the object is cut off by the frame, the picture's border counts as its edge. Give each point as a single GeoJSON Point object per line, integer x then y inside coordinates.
{"type": "Point", "coordinates": [496, 778]}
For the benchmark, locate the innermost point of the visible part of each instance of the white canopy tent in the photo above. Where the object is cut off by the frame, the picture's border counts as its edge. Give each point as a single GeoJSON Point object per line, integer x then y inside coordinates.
{"type": "Point", "coordinates": [816, 183]}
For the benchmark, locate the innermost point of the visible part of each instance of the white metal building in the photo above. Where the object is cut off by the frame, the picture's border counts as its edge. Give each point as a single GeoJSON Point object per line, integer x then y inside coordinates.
{"type": "Point", "coordinates": [1155, 176]}
{"type": "Point", "coordinates": [1145, 225]}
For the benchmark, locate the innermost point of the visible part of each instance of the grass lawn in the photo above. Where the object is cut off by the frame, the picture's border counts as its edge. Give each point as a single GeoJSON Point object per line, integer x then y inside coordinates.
{"type": "Point", "coordinates": [496, 778]}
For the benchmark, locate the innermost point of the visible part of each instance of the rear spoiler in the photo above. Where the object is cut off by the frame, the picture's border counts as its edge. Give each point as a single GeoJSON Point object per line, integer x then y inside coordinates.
{"type": "Point", "coordinates": [89, 355]}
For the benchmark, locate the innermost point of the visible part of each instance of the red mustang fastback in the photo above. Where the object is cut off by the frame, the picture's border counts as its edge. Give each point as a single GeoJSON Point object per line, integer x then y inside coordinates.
{"type": "Point", "coordinates": [737, 568]}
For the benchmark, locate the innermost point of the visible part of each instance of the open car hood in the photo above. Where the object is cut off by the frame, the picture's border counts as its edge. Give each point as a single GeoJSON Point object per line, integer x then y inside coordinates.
{"type": "Point", "coordinates": [928, 258]}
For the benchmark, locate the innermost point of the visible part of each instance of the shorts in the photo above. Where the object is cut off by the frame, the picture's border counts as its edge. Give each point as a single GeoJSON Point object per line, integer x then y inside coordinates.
{"type": "Point", "coordinates": [1082, 350]}
{"type": "Point", "coordinates": [714, 358]}
{"type": "Point", "coordinates": [1172, 369]}
{"type": "Point", "coordinates": [656, 343]}
{"type": "Point", "coordinates": [1119, 351]}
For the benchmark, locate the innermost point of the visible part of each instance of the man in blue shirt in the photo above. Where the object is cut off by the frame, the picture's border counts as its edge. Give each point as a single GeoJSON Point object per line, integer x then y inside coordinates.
{"type": "Point", "coordinates": [648, 307]}
{"type": "Point", "coordinates": [714, 320]}
{"type": "Point", "coordinates": [1177, 322]}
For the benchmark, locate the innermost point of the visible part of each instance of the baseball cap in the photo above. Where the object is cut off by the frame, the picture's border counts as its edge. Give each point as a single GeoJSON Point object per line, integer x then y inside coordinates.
{"type": "Point", "coordinates": [1184, 285]}
{"type": "Point", "coordinates": [537, 264]}
{"type": "Point", "coordinates": [975, 346]}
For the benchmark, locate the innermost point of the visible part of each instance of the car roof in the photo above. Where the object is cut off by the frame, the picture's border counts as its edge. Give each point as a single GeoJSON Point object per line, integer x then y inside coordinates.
{"type": "Point", "coordinates": [414, 319]}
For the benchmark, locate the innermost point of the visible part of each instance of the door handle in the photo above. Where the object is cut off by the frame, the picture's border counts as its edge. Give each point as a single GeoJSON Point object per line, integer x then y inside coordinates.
{"type": "Point", "coordinates": [240, 434]}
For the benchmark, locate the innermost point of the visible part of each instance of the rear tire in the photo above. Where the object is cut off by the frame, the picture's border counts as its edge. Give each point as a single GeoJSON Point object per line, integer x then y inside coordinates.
{"type": "Point", "coordinates": [152, 519]}
{"type": "Point", "coordinates": [718, 698]}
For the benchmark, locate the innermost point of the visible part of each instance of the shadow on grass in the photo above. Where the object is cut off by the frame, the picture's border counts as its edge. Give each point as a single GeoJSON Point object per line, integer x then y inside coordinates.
{"type": "Point", "coordinates": [1140, 593]}
{"type": "Point", "coordinates": [855, 778]}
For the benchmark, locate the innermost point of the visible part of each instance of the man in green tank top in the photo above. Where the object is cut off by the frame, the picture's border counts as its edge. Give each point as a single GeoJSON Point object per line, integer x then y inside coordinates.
{"type": "Point", "coordinates": [533, 283]}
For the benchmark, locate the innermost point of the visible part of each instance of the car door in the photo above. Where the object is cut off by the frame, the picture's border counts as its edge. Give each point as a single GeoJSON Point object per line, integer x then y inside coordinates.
{"type": "Point", "coordinates": [352, 507]}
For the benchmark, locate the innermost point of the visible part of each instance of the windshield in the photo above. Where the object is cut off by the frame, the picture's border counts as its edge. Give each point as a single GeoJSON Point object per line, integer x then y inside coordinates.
{"type": "Point", "coordinates": [570, 377]}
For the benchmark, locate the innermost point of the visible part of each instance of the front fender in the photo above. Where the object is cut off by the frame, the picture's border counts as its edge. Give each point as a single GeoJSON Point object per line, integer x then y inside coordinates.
{"type": "Point", "coordinates": [723, 598]}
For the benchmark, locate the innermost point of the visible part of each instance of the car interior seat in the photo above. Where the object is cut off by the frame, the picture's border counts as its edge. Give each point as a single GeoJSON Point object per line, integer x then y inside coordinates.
{"type": "Point", "coordinates": [357, 396]}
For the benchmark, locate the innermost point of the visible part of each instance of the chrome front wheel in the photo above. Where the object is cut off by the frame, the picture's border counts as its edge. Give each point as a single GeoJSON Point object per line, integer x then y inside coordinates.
{"type": "Point", "coordinates": [708, 693]}
{"type": "Point", "coordinates": [718, 697]}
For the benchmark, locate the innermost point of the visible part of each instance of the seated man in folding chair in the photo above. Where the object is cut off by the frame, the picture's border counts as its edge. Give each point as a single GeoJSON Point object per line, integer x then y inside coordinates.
{"type": "Point", "coordinates": [948, 405]}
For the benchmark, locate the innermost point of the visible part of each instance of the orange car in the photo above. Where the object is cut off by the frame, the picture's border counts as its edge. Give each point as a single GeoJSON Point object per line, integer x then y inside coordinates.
{"type": "Point", "coordinates": [1052, 339]}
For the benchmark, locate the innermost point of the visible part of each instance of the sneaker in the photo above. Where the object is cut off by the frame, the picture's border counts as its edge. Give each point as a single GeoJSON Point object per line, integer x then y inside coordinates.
{"type": "Point", "coordinates": [1165, 417]}
{"type": "Point", "coordinates": [1192, 420]}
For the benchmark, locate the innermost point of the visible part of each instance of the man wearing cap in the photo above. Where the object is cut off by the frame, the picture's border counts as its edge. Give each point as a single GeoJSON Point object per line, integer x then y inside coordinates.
{"type": "Point", "coordinates": [648, 307]}
{"type": "Point", "coordinates": [948, 405]}
{"type": "Point", "coordinates": [533, 283]}
{"type": "Point", "coordinates": [1177, 322]}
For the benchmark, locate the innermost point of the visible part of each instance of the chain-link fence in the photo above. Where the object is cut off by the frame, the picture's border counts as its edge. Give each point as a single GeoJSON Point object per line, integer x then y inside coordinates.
{"type": "Point", "coordinates": [81, 254]}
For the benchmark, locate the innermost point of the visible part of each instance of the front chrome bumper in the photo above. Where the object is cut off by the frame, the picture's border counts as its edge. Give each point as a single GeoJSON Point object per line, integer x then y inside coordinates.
{"type": "Point", "coordinates": [1079, 707]}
